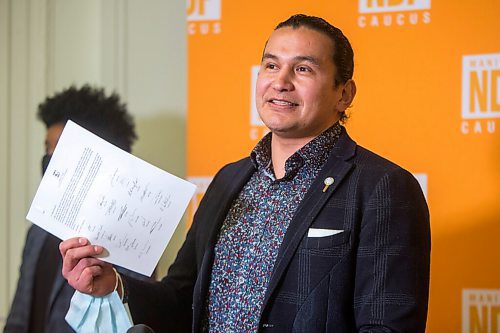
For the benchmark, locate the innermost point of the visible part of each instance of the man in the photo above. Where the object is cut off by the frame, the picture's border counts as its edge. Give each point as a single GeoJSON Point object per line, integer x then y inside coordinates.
{"type": "Point", "coordinates": [42, 297]}
{"type": "Point", "coordinates": [311, 233]}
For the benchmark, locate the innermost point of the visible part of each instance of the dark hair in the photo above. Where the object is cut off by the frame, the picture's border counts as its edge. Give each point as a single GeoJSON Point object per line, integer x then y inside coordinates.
{"type": "Point", "coordinates": [90, 108]}
{"type": "Point", "coordinates": [343, 55]}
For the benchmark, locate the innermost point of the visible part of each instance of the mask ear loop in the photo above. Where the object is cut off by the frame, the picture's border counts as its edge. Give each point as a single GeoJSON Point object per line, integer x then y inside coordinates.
{"type": "Point", "coordinates": [119, 283]}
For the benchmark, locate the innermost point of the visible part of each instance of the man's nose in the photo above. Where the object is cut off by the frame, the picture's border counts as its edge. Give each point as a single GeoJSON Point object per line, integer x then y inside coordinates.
{"type": "Point", "coordinates": [283, 81]}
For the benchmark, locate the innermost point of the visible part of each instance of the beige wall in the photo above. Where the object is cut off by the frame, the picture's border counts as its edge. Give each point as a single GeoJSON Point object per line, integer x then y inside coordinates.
{"type": "Point", "coordinates": [137, 48]}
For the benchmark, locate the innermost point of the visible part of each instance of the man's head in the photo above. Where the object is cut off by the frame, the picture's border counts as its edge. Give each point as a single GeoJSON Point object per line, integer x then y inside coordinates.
{"type": "Point", "coordinates": [342, 53]}
{"type": "Point", "coordinates": [89, 107]}
{"type": "Point", "coordinates": [305, 81]}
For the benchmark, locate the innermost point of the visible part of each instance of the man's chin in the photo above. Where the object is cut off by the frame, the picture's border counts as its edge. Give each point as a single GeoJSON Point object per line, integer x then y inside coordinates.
{"type": "Point", "coordinates": [278, 128]}
{"type": "Point", "coordinates": [285, 132]}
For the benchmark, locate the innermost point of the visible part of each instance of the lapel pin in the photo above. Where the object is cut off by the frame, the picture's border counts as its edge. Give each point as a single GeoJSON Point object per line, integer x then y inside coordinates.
{"type": "Point", "coordinates": [328, 181]}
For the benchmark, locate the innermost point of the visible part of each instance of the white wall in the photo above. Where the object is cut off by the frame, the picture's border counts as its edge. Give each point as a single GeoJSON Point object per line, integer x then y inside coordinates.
{"type": "Point", "coordinates": [137, 48]}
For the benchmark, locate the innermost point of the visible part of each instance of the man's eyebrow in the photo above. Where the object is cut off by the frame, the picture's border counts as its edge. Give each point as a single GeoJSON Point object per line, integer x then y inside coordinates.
{"type": "Point", "coordinates": [310, 59]}
{"type": "Point", "coordinates": [269, 56]}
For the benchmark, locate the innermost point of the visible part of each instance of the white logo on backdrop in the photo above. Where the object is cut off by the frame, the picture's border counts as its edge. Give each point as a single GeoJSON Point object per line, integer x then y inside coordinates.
{"type": "Point", "coordinates": [480, 93]}
{"type": "Point", "coordinates": [204, 17]}
{"type": "Point", "coordinates": [381, 6]}
{"type": "Point", "coordinates": [481, 86]}
{"type": "Point", "coordinates": [257, 127]}
{"type": "Point", "coordinates": [376, 13]}
{"type": "Point", "coordinates": [201, 187]}
{"type": "Point", "coordinates": [254, 114]}
{"type": "Point", "coordinates": [422, 180]}
{"type": "Point", "coordinates": [203, 10]}
{"type": "Point", "coordinates": [480, 310]}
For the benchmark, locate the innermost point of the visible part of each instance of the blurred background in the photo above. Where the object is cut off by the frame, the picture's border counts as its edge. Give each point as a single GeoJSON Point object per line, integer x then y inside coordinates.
{"type": "Point", "coordinates": [135, 48]}
{"type": "Point", "coordinates": [428, 77]}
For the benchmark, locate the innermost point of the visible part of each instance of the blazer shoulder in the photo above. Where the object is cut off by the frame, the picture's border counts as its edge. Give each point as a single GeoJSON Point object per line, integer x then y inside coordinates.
{"type": "Point", "coordinates": [376, 164]}
{"type": "Point", "coordinates": [235, 167]}
{"type": "Point", "coordinates": [372, 168]}
{"type": "Point", "coordinates": [366, 161]}
{"type": "Point", "coordinates": [232, 172]}
{"type": "Point", "coordinates": [227, 180]}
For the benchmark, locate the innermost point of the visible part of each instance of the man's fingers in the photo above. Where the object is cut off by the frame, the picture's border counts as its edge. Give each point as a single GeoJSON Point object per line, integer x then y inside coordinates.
{"type": "Point", "coordinates": [87, 276]}
{"type": "Point", "coordinates": [84, 272]}
{"type": "Point", "coordinates": [96, 280]}
{"type": "Point", "coordinates": [86, 262]}
{"type": "Point", "coordinates": [73, 256]}
{"type": "Point", "coordinates": [72, 243]}
{"type": "Point", "coordinates": [105, 281]}
{"type": "Point", "coordinates": [85, 281]}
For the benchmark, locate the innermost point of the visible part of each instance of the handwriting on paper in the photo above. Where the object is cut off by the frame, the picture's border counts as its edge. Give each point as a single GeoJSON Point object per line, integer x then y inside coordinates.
{"type": "Point", "coordinates": [93, 189]}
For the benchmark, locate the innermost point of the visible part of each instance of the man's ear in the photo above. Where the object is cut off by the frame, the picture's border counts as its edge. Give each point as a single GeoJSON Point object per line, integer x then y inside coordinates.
{"type": "Point", "coordinates": [348, 93]}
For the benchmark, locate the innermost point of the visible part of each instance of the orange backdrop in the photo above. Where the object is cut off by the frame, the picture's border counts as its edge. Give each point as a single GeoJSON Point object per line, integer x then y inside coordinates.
{"type": "Point", "coordinates": [428, 78]}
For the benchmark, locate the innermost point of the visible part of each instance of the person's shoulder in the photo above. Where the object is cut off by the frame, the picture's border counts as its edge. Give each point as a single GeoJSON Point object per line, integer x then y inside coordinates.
{"type": "Point", "coordinates": [230, 172]}
{"type": "Point", "coordinates": [228, 177]}
{"type": "Point", "coordinates": [364, 160]}
{"type": "Point", "coordinates": [373, 161]}
{"type": "Point", "coordinates": [373, 168]}
{"type": "Point", "coordinates": [239, 163]}
{"type": "Point", "coordinates": [235, 167]}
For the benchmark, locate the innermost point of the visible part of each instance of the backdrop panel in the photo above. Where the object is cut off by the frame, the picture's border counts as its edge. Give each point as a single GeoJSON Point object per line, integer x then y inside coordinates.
{"type": "Point", "coordinates": [428, 77]}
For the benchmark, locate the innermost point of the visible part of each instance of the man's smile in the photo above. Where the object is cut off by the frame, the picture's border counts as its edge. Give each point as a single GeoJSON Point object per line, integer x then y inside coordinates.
{"type": "Point", "coordinates": [282, 102]}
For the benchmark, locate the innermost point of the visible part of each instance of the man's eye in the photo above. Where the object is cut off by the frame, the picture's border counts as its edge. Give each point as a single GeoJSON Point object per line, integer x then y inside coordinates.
{"type": "Point", "coordinates": [303, 69]}
{"type": "Point", "coordinates": [271, 66]}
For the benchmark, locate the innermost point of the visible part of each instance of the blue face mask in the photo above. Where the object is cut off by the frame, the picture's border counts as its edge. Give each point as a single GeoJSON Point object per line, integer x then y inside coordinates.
{"type": "Point", "coordinates": [89, 314]}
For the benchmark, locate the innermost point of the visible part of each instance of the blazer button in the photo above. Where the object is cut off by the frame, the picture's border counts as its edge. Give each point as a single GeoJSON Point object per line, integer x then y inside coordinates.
{"type": "Point", "coordinates": [267, 325]}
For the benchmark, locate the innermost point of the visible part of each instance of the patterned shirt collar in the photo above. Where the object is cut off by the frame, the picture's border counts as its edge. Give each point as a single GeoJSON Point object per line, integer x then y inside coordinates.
{"type": "Point", "coordinates": [314, 153]}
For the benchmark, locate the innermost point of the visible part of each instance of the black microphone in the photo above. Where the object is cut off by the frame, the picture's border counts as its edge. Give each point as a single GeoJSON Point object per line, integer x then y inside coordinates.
{"type": "Point", "coordinates": [140, 328]}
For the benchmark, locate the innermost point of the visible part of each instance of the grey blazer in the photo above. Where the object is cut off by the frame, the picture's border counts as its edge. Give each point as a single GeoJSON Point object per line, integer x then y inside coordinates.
{"type": "Point", "coordinates": [61, 292]}
{"type": "Point", "coordinates": [60, 295]}
{"type": "Point", "coordinates": [371, 277]}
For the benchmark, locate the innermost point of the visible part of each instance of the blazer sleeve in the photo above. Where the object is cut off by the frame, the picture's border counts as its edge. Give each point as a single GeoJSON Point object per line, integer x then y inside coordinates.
{"type": "Point", "coordinates": [18, 318]}
{"type": "Point", "coordinates": [393, 259]}
{"type": "Point", "coordinates": [166, 306]}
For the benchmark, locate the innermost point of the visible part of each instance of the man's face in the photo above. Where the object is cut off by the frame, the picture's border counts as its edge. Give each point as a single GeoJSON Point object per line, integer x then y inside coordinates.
{"type": "Point", "coordinates": [52, 137]}
{"type": "Point", "coordinates": [295, 95]}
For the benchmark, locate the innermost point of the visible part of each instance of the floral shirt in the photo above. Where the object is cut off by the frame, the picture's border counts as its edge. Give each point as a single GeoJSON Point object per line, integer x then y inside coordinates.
{"type": "Point", "coordinates": [254, 228]}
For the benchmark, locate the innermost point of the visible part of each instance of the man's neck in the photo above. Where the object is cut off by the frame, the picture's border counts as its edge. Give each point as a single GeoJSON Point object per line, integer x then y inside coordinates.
{"type": "Point", "coordinates": [282, 149]}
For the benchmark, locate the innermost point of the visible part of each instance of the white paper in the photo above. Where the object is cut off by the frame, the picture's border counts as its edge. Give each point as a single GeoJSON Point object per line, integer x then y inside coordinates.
{"type": "Point", "coordinates": [93, 189]}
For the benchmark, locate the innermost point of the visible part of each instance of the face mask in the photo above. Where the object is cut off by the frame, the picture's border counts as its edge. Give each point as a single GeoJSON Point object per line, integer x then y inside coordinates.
{"type": "Point", "coordinates": [89, 314]}
{"type": "Point", "coordinates": [45, 162]}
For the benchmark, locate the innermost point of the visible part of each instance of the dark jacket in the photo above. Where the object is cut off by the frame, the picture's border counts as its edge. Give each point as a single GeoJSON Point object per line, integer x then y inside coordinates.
{"type": "Point", "coordinates": [60, 292]}
{"type": "Point", "coordinates": [372, 277]}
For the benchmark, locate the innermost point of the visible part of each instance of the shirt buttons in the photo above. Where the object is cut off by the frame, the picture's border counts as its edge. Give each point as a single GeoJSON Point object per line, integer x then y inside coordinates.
{"type": "Point", "coordinates": [241, 280]}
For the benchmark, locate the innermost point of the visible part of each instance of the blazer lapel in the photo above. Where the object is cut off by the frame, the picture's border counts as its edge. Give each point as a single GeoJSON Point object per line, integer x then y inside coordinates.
{"type": "Point", "coordinates": [337, 168]}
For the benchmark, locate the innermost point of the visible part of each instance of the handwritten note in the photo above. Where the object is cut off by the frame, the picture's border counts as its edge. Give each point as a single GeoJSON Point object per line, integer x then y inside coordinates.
{"type": "Point", "coordinates": [96, 190]}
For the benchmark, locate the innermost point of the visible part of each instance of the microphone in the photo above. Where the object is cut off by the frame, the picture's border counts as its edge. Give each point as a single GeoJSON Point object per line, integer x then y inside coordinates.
{"type": "Point", "coordinates": [140, 328]}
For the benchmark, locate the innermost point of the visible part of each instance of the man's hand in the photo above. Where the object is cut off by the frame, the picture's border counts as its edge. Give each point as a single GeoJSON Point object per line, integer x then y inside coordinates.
{"type": "Point", "coordinates": [84, 272]}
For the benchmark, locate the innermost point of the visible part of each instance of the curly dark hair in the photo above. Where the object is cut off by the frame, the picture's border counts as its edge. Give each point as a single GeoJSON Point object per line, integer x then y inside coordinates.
{"type": "Point", "coordinates": [90, 108]}
{"type": "Point", "coordinates": [343, 55]}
